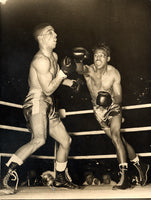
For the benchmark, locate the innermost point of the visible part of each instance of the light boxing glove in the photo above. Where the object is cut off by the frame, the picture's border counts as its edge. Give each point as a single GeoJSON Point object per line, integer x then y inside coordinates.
{"type": "Point", "coordinates": [104, 99]}
{"type": "Point", "coordinates": [80, 54]}
{"type": "Point", "coordinates": [47, 178]}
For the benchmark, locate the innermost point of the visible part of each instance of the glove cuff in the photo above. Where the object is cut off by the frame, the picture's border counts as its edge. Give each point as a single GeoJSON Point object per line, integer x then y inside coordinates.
{"type": "Point", "coordinates": [61, 74]}
{"type": "Point", "coordinates": [74, 85]}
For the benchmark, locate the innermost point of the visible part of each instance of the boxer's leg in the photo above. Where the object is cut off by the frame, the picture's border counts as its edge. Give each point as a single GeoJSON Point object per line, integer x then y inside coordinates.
{"type": "Point", "coordinates": [141, 167]}
{"type": "Point", "coordinates": [114, 134]}
{"type": "Point", "coordinates": [38, 123]}
{"type": "Point", "coordinates": [115, 126]}
{"type": "Point", "coordinates": [59, 133]}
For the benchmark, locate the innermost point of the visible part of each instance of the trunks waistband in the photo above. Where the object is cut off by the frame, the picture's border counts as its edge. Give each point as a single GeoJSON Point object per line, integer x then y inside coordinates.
{"type": "Point", "coordinates": [36, 94]}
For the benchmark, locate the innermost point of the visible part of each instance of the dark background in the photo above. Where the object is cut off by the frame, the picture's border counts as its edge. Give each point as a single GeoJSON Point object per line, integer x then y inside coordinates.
{"type": "Point", "coordinates": [123, 24]}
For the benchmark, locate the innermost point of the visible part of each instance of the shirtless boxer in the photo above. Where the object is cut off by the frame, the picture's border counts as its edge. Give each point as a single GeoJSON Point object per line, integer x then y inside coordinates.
{"type": "Point", "coordinates": [45, 76]}
{"type": "Point", "coordinates": [104, 84]}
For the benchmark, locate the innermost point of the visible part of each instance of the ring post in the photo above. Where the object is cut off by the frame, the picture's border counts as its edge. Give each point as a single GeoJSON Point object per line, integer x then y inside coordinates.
{"type": "Point", "coordinates": [0, 172]}
{"type": "Point", "coordinates": [55, 155]}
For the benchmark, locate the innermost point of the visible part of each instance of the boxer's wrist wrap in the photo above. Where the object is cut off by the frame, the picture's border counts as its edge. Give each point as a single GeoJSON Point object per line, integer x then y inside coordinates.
{"type": "Point", "coordinates": [61, 74]}
{"type": "Point", "coordinates": [15, 159]}
{"type": "Point", "coordinates": [74, 85]}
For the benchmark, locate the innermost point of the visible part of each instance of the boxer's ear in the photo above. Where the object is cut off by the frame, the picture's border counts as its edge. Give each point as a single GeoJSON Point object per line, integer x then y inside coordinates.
{"type": "Point", "coordinates": [108, 58]}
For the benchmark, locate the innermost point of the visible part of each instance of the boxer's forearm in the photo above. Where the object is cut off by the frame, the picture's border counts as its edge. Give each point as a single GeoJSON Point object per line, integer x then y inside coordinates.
{"type": "Point", "coordinates": [54, 84]}
{"type": "Point", "coordinates": [117, 99]}
{"type": "Point", "coordinates": [67, 82]}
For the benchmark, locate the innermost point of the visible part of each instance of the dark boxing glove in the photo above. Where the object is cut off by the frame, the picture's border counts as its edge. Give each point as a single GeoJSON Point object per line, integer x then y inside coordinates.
{"type": "Point", "coordinates": [80, 54]}
{"type": "Point", "coordinates": [104, 99]}
{"type": "Point", "coordinates": [66, 65]}
{"type": "Point", "coordinates": [77, 85]}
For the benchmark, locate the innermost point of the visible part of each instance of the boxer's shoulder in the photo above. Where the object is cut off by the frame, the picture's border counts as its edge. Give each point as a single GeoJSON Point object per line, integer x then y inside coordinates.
{"type": "Point", "coordinates": [111, 70]}
{"type": "Point", "coordinates": [40, 61]}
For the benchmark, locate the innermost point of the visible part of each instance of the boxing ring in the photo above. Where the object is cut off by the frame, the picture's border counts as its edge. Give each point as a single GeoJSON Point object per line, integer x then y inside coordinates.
{"type": "Point", "coordinates": [101, 191]}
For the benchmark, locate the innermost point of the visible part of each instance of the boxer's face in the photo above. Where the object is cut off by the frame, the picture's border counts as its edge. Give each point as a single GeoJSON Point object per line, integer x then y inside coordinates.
{"type": "Point", "coordinates": [100, 58]}
{"type": "Point", "coordinates": [48, 36]}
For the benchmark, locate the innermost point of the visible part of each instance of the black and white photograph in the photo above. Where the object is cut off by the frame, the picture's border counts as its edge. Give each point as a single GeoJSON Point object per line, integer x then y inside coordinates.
{"type": "Point", "coordinates": [75, 99]}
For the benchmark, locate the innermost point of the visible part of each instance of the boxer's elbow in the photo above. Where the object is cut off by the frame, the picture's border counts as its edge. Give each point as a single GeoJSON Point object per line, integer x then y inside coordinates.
{"type": "Point", "coordinates": [52, 86]}
{"type": "Point", "coordinates": [48, 91]}
{"type": "Point", "coordinates": [117, 99]}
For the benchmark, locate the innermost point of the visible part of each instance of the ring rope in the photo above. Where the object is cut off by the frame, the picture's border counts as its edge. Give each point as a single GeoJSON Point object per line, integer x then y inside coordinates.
{"type": "Point", "coordinates": [11, 104]}
{"type": "Point", "coordinates": [123, 108]}
{"type": "Point", "coordinates": [147, 154]}
{"type": "Point", "coordinates": [104, 156]}
{"type": "Point", "coordinates": [14, 128]}
{"type": "Point", "coordinates": [80, 133]}
{"type": "Point", "coordinates": [135, 129]}
{"type": "Point", "coordinates": [32, 156]}
{"type": "Point", "coordinates": [81, 111]}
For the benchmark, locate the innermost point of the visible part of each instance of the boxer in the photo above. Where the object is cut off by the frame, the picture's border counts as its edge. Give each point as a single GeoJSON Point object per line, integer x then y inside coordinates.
{"type": "Point", "coordinates": [45, 76]}
{"type": "Point", "coordinates": [104, 84]}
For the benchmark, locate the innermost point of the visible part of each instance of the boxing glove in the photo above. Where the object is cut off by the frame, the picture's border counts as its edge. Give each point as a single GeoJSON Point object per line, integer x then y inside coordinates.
{"type": "Point", "coordinates": [66, 65]}
{"type": "Point", "coordinates": [77, 85]}
{"type": "Point", "coordinates": [104, 99]}
{"type": "Point", "coordinates": [47, 178]}
{"type": "Point", "coordinates": [80, 54]}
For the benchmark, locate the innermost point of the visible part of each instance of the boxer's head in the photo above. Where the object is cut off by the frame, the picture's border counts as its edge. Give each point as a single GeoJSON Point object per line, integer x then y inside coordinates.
{"type": "Point", "coordinates": [39, 29]}
{"type": "Point", "coordinates": [103, 47]}
{"type": "Point", "coordinates": [45, 35]}
{"type": "Point", "coordinates": [101, 55]}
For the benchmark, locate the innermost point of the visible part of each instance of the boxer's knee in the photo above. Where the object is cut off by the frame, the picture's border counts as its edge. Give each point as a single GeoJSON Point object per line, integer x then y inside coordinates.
{"type": "Point", "coordinates": [38, 142]}
{"type": "Point", "coordinates": [66, 143]}
{"type": "Point", "coordinates": [116, 138]}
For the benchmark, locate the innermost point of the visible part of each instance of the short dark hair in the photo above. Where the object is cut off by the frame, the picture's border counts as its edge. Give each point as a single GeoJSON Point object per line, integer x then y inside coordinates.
{"type": "Point", "coordinates": [102, 46]}
{"type": "Point", "coordinates": [38, 29]}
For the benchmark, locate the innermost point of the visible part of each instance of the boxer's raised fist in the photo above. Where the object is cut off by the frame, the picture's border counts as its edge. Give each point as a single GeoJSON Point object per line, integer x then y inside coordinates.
{"type": "Point", "coordinates": [80, 54]}
{"type": "Point", "coordinates": [66, 65]}
{"type": "Point", "coordinates": [104, 99]}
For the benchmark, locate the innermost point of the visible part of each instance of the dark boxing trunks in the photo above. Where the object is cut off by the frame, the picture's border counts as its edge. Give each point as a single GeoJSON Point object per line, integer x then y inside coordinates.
{"type": "Point", "coordinates": [104, 116]}
{"type": "Point", "coordinates": [36, 102]}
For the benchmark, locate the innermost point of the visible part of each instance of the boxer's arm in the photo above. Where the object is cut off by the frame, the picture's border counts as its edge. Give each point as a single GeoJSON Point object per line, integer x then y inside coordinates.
{"type": "Point", "coordinates": [68, 82]}
{"type": "Point", "coordinates": [117, 89]}
{"type": "Point", "coordinates": [45, 78]}
{"type": "Point", "coordinates": [85, 69]}
{"type": "Point", "coordinates": [75, 85]}
{"type": "Point", "coordinates": [79, 55]}
{"type": "Point", "coordinates": [67, 68]}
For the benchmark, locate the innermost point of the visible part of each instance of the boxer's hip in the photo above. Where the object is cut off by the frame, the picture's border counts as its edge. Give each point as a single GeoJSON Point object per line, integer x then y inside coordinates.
{"type": "Point", "coordinates": [37, 102]}
{"type": "Point", "coordinates": [105, 115]}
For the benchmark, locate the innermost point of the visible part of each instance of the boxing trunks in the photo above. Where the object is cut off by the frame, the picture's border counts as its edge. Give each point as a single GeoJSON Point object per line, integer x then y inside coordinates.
{"type": "Point", "coordinates": [104, 116]}
{"type": "Point", "coordinates": [36, 102]}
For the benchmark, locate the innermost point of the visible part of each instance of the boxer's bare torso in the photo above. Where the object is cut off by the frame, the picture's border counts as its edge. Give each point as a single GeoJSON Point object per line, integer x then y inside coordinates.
{"type": "Point", "coordinates": [105, 79]}
{"type": "Point", "coordinates": [37, 69]}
